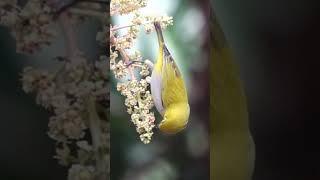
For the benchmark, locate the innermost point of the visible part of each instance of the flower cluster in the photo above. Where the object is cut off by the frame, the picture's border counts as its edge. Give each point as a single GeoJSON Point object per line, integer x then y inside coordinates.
{"type": "Point", "coordinates": [8, 12]}
{"type": "Point", "coordinates": [164, 21]}
{"type": "Point", "coordinates": [126, 41]}
{"type": "Point", "coordinates": [124, 65]}
{"type": "Point", "coordinates": [126, 6]}
{"type": "Point", "coordinates": [30, 25]}
{"type": "Point", "coordinates": [77, 94]}
{"type": "Point", "coordinates": [138, 97]}
{"type": "Point", "coordinates": [73, 94]}
{"type": "Point", "coordinates": [139, 102]}
{"type": "Point", "coordinates": [80, 172]}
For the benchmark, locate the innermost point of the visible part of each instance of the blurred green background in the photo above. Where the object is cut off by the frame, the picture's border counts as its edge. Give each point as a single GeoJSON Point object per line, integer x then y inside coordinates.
{"type": "Point", "coordinates": [168, 157]}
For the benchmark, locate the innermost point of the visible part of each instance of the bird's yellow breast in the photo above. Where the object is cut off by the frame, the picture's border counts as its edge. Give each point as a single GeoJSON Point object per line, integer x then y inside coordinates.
{"type": "Point", "coordinates": [175, 118]}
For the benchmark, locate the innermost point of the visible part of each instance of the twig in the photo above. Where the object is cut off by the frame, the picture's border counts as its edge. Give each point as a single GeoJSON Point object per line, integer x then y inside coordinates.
{"type": "Point", "coordinates": [125, 58]}
{"type": "Point", "coordinates": [127, 26]}
{"type": "Point", "coordinates": [87, 12]}
{"type": "Point", "coordinates": [95, 129]}
{"type": "Point", "coordinates": [69, 4]}
{"type": "Point", "coordinates": [122, 27]}
{"type": "Point", "coordinates": [72, 49]}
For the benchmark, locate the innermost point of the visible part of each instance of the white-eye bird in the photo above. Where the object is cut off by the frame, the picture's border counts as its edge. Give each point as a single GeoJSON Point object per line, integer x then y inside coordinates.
{"type": "Point", "coordinates": [168, 90]}
{"type": "Point", "coordinates": [232, 149]}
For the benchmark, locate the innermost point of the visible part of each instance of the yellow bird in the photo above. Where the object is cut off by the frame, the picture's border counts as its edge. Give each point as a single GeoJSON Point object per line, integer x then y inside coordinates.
{"type": "Point", "coordinates": [232, 151]}
{"type": "Point", "coordinates": [168, 90]}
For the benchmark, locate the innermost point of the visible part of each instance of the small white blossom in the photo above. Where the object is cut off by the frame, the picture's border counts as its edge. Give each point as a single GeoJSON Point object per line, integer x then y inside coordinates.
{"type": "Point", "coordinates": [139, 102]}
{"type": "Point", "coordinates": [126, 7]}
{"type": "Point", "coordinates": [63, 155]}
{"type": "Point", "coordinates": [84, 145]}
{"type": "Point", "coordinates": [80, 172]}
{"type": "Point", "coordinates": [65, 95]}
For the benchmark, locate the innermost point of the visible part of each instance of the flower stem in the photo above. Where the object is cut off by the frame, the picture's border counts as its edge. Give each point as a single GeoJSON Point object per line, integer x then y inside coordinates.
{"type": "Point", "coordinates": [127, 26]}
{"type": "Point", "coordinates": [72, 49]}
{"type": "Point", "coordinates": [122, 27]}
{"type": "Point", "coordinates": [125, 57]}
{"type": "Point", "coordinates": [73, 52]}
{"type": "Point", "coordinates": [88, 12]}
{"type": "Point", "coordinates": [95, 129]}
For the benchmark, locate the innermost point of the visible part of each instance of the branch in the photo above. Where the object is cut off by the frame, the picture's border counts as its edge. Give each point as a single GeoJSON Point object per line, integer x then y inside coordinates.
{"type": "Point", "coordinates": [127, 26]}
{"type": "Point", "coordinates": [95, 129]}
{"type": "Point", "coordinates": [87, 12]}
{"type": "Point", "coordinates": [125, 57]}
{"type": "Point", "coordinates": [72, 49]}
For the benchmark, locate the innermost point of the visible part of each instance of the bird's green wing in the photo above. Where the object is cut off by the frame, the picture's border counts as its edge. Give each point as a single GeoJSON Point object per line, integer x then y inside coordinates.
{"type": "Point", "coordinates": [173, 86]}
{"type": "Point", "coordinates": [232, 148]}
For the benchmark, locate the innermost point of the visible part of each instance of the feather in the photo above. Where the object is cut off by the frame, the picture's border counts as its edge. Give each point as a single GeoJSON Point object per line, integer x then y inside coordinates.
{"type": "Point", "coordinates": [156, 88]}
{"type": "Point", "coordinates": [173, 87]}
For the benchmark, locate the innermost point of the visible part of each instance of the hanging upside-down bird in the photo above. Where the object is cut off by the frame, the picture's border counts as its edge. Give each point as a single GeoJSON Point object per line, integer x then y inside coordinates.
{"type": "Point", "coordinates": [168, 90]}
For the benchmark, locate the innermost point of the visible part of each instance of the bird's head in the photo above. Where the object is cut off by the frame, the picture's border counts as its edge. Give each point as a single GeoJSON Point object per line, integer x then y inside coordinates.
{"type": "Point", "coordinates": [175, 118]}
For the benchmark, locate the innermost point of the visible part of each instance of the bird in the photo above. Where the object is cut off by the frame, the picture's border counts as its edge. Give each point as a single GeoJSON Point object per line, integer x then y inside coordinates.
{"type": "Point", "coordinates": [232, 148]}
{"type": "Point", "coordinates": [168, 89]}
